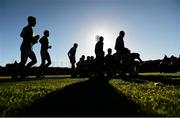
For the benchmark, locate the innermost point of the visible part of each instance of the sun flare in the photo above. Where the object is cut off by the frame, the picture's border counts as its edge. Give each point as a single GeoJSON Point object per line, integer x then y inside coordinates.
{"type": "Point", "coordinates": [109, 37]}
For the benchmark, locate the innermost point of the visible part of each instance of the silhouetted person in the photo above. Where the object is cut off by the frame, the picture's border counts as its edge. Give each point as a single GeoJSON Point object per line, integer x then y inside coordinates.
{"type": "Point", "coordinates": [91, 62]}
{"type": "Point", "coordinates": [28, 42]}
{"type": "Point", "coordinates": [92, 58]}
{"type": "Point", "coordinates": [109, 53]}
{"type": "Point", "coordinates": [80, 65]}
{"type": "Point", "coordinates": [87, 61]}
{"type": "Point", "coordinates": [166, 60]}
{"type": "Point", "coordinates": [164, 64]}
{"type": "Point", "coordinates": [174, 60]}
{"type": "Point", "coordinates": [122, 54]}
{"type": "Point", "coordinates": [173, 63]}
{"type": "Point", "coordinates": [26, 47]}
{"type": "Point", "coordinates": [87, 65]}
{"type": "Point", "coordinates": [44, 50]}
{"type": "Point", "coordinates": [72, 58]}
{"type": "Point", "coordinates": [91, 66]}
{"type": "Point", "coordinates": [99, 56]}
{"type": "Point", "coordinates": [81, 61]}
{"type": "Point", "coordinates": [109, 58]}
{"type": "Point", "coordinates": [99, 48]}
{"type": "Point", "coordinates": [119, 46]}
{"type": "Point", "coordinates": [108, 62]}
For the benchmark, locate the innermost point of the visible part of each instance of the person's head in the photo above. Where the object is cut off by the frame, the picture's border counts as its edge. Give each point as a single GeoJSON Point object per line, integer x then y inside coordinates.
{"type": "Point", "coordinates": [172, 56]}
{"type": "Point", "coordinates": [88, 58]}
{"type": "Point", "coordinates": [101, 39]}
{"type": "Point", "coordinates": [46, 33]}
{"type": "Point", "coordinates": [109, 51]}
{"type": "Point", "coordinates": [31, 21]}
{"type": "Point", "coordinates": [165, 56]}
{"type": "Point", "coordinates": [121, 34]}
{"type": "Point", "coordinates": [75, 45]}
{"type": "Point", "coordinates": [82, 57]}
{"type": "Point", "coordinates": [92, 57]}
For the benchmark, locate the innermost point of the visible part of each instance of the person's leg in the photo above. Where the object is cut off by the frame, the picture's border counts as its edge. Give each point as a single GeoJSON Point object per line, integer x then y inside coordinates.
{"type": "Point", "coordinates": [42, 59]}
{"type": "Point", "coordinates": [72, 60]}
{"type": "Point", "coordinates": [24, 58]}
{"type": "Point", "coordinates": [21, 66]}
{"type": "Point", "coordinates": [48, 60]}
{"type": "Point", "coordinates": [73, 66]}
{"type": "Point", "coordinates": [73, 69]}
{"type": "Point", "coordinates": [40, 70]}
{"type": "Point", "coordinates": [33, 61]}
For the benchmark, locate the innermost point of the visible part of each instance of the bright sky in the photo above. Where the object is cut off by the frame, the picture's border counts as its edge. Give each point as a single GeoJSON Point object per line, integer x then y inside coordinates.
{"type": "Point", "coordinates": [152, 27]}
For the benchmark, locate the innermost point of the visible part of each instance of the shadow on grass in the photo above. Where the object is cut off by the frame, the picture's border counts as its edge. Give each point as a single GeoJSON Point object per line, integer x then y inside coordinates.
{"type": "Point", "coordinates": [88, 98]}
{"type": "Point", "coordinates": [169, 80]}
{"type": "Point", "coordinates": [133, 79]}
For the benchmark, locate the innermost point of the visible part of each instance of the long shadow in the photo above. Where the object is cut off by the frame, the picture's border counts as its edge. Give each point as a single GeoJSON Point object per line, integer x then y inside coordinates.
{"type": "Point", "coordinates": [163, 79]}
{"type": "Point", "coordinates": [168, 80]}
{"type": "Point", "coordinates": [89, 98]}
{"type": "Point", "coordinates": [134, 79]}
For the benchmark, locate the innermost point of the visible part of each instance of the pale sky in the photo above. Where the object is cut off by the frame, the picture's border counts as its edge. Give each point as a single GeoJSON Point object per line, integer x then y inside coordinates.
{"type": "Point", "coordinates": [152, 27]}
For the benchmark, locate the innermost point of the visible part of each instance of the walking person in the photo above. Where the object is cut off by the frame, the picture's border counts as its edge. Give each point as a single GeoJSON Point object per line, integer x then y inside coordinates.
{"type": "Point", "coordinates": [99, 57]}
{"type": "Point", "coordinates": [119, 45]}
{"type": "Point", "coordinates": [72, 58]}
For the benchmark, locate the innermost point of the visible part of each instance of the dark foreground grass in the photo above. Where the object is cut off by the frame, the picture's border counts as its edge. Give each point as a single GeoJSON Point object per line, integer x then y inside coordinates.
{"type": "Point", "coordinates": [152, 95]}
{"type": "Point", "coordinates": [94, 97]}
{"type": "Point", "coordinates": [14, 96]}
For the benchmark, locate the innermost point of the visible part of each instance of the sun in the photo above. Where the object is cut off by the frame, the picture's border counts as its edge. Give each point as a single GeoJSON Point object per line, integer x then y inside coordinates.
{"type": "Point", "coordinates": [88, 39]}
{"type": "Point", "coordinates": [108, 35]}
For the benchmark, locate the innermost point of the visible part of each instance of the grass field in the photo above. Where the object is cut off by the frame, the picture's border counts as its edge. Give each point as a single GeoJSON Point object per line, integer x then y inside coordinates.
{"type": "Point", "coordinates": [153, 98]}
{"type": "Point", "coordinates": [16, 95]}
{"type": "Point", "coordinates": [148, 92]}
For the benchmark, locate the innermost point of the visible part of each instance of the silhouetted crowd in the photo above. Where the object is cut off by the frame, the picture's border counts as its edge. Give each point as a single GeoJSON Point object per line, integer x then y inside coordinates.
{"type": "Point", "coordinates": [171, 64]}
{"type": "Point", "coordinates": [21, 69]}
{"type": "Point", "coordinates": [122, 62]}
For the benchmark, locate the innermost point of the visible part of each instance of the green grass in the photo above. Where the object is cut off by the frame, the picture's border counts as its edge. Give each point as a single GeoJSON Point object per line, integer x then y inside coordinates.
{"type": "Point", "coordinates": [160, 74]}
{"type": "Point", "coordinates": [159, 100]}
{"type": "Point", "coordinates": [16, 95]}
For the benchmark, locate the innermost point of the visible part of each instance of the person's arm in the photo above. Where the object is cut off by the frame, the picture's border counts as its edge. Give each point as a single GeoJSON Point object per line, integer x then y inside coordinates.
{"type": "Point", "coordinates": [34, 39]}
{"type": "Point", "coordinates": [49, 46]}
{"type": "Point", "coordinates": [41, 40]}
